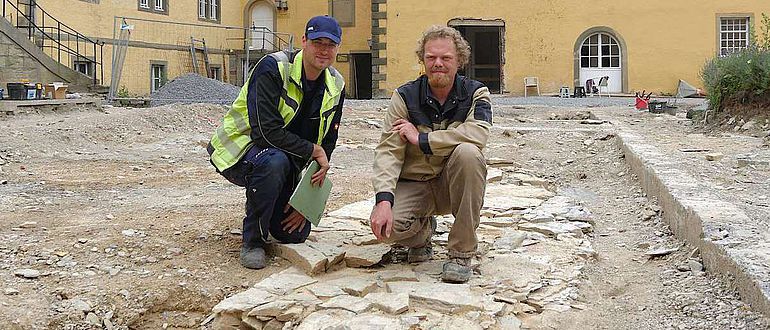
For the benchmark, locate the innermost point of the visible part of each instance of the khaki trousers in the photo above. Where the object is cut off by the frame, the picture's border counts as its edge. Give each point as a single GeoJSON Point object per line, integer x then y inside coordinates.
{"type": "Point", "coordinates": [458, 190]}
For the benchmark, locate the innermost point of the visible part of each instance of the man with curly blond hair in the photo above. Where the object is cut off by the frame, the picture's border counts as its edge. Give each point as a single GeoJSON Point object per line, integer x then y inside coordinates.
{"type": "Point", "coordinates": [429, 160]}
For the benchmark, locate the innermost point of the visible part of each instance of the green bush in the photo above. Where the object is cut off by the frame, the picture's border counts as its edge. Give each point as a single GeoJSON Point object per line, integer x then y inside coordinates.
{"type": "Point", "coordinates": [741, 77]}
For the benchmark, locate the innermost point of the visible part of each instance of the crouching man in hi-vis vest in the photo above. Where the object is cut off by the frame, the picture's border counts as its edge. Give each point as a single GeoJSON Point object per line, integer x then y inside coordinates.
{"type": "Point", "coordinates": [286, 115]}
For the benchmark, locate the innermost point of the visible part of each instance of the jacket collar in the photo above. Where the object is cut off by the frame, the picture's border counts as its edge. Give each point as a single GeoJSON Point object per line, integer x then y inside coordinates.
{"type": "Point", "coordinates": [459, 92]}
{"type": "Point", "coordinates": [333, 82]}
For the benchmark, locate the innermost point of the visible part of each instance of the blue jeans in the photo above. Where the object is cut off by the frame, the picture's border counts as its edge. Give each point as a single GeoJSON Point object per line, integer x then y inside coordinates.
{"type": "Point", "coordinates": [269, 178]}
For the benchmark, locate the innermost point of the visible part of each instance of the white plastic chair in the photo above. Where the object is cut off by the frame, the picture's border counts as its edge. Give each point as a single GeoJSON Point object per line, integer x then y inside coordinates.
{"type": "Point", "coordinates": [603, 85]}
{"type": "Point", "coordinates": [531, 82]}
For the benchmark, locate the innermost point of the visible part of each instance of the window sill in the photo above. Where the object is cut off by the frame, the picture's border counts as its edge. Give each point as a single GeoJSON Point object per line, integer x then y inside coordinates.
{"type": "Point", "coordinates": [153, 11]}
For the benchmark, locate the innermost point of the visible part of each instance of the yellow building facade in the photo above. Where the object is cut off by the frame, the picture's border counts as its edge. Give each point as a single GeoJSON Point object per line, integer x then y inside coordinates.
{"type": "Point", "coordinates": [561, 43]}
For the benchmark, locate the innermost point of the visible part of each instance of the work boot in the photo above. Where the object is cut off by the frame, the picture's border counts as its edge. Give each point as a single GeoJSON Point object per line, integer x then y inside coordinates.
{"type": "Point", "coordinates": [457, 270]}
{"type": "Point", "coordinates": [253, 258]}
{"type": "Point", "coordinates": [422, 254]}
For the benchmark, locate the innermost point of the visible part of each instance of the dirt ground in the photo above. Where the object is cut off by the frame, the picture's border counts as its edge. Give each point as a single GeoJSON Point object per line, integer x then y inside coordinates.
{"type": "Point", "coordinates": [123, 217]}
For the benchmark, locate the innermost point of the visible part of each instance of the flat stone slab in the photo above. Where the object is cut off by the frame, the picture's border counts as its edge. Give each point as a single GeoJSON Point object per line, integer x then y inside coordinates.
{"type": "Point", "coordinates": [442, 297]}
{"type": "Point", "coordinates": [356, 285]}
{"type": "Point", "coordinates": [244, 301]}
{"type": "Point", "coordinates": [494, 175]}
{"type": "Point", "coordinates": [514, 271]}
{"type": "Point", "coordinates": [512, 190]}
{"type": "Point", "coordinates": [365, 256]}
{"type": "Point", "coordinates": [323, 319]}
{"type": "Point", "coordinates": [396, 275]}
{"type": "Point", "coordinates": [552, 229]}
{"type": "Point", "coordinates": [391, 303]}
{"type": "Point", "coordinates": [347, 302]}
{"type": "Point", "coordinates": [372, 322]}
{"type": "Point", "coordinates": [313, 258]}
{"type": "Point", "coordinates": [285, 281]}
{"type": "Point", "coordinates": [502, 202]}
{"type": "Point", "coordinates": [355, 211]}
{"type": "Point", "coordinates": [325, 290]}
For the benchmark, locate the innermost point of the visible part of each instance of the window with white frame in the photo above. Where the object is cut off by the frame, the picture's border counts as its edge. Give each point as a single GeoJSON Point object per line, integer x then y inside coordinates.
{"type": "Point", "coordinates": [202, 8]}
{"type": "Point", "coordinates": [600, 51]}
{"type": "Point", "coordinates": [216, 73]}
{"type": "Point", "coordinates": [208, 10]}
{"type": "Point", "coordinates": [213, 9]}
{"type": "Point", "coordinates": [158, 76]}
{"type": "Point", "coordinates": [154, 6]}
{"type": "Point", "coordinates": [733, 35]}
{"type": "Point", "coordinates": [84, 67]}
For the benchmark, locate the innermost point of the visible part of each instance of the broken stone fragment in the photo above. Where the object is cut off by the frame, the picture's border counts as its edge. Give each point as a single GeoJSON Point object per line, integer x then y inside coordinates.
{"type": "Point", "coordinates": [510, 241]}
{"type": "Point", "coordinates": [494, 175]}
{"type": "Point", "coordinates": [285, 281]}
{"type": "Point", "coordinates": [714, 156]}
{"type": "Point", "coordinates": [356, 211]}
{"type": "Point", "coordinates": [324, 319]}
{"type": "Point", "coordinates": [243, 302]}
{"type": "Point", "coordinates": [658, 252]}
{"type": "Point", "coordinates": [325, 290]}
{"type": "Point", "coordinates": [271, 309]}
{"type": "Point", "coordinates": [312, 258]}
{"type": "Point", "coordinates": [365, 256]}
{"type": "Point", "coordinates": [347, 302]}
{"type": "Point", "coordinates": [391, 303]}
{"type": "Point", "coordinates": [27, 273]}
{"type": "Point", "coordinates": [358, 286]}
{"type": "Point", "coordinates": [395, 275]}
{"type": "Point", "coordinates": [552, 229]}
{"type": "Point", "coordinates": [373, 321]}
{"type": "Point", "coordinates": [446, 298]}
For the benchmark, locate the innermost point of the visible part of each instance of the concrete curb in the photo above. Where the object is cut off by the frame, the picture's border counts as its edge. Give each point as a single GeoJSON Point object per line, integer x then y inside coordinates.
{"type": "Point", "coordinates": [731, 244]}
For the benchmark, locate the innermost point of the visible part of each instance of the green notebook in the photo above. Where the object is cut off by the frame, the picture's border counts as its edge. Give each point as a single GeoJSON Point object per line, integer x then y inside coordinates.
{"type": "Point", "coordinates": [310, 200]}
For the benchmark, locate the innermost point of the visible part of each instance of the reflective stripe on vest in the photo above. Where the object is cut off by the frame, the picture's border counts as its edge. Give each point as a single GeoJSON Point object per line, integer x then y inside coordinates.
{"type": "Point", "coordinates": [232, 139]}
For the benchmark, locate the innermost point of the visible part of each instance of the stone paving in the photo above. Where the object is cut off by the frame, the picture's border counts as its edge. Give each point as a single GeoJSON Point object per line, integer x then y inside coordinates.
{"type": "Point", "coordinates": [533, 247]}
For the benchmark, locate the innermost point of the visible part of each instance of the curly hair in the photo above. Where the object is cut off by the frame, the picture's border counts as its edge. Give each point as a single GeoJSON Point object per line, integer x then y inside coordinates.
{"type": "Point", "coordinates": [441, 32]}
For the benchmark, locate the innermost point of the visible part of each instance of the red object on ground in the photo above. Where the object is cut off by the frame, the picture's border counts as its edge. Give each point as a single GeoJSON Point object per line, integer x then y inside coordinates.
{"type": "Point", "coordinates": [641, 104]}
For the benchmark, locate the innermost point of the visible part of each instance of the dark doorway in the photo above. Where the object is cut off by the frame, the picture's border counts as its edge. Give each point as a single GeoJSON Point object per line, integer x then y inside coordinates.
{"type": "Point", "coordinates": [361, 75]}
{"type": "Point", "coordinates": [486, 61]}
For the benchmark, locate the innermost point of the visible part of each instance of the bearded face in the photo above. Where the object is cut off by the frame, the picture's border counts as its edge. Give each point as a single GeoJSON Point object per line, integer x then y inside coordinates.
{"type": "Point", "coordinates": [440, 61]}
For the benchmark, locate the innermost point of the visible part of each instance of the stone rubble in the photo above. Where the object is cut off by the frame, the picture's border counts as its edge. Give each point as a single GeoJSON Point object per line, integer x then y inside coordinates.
{"type": "Point", "coordinates": [533, 247]}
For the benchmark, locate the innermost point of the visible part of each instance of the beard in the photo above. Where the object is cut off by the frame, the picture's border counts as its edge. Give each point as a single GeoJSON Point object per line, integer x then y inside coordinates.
{"type": "Point", "coordinates": [439, 80]}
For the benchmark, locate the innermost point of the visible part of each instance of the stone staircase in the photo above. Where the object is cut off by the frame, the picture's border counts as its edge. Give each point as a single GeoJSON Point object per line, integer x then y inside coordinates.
{"type": "Point", "coordinates": [45, 53]}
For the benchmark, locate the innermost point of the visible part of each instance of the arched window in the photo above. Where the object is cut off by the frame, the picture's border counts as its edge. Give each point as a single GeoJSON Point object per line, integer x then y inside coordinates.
{"type": "Point", "coordinates": [600, 50]}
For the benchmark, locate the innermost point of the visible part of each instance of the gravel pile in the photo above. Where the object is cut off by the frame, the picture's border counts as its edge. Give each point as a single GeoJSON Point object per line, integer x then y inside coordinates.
{"type": "Point", "coordinates": [194, 88]}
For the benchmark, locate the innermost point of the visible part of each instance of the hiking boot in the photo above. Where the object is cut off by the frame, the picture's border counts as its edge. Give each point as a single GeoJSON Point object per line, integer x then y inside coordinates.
{"type": "Point", "coordinates": [253, 258]}
{"type": "Point", "coordinates": [457, 270]}
{"type": "Point", "coordinates": [420, 254]}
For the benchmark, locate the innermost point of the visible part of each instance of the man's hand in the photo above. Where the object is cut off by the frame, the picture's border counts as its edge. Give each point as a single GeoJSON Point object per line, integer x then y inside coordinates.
{"type": "Point", "coordinates": [295, 220]}
{"type": "Point", "coordinates": [406, 130]}
{"type": "Point", "coordinates": [382, 220]}
{"type": "Point", "coordinates": [319, 155]}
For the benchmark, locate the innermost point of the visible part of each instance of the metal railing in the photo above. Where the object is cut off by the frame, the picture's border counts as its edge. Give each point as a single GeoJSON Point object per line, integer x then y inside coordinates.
{"type": "Point", "coordinates": [59, 41]}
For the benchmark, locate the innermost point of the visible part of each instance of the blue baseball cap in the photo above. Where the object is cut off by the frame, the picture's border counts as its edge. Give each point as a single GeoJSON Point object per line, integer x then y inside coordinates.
{"type": "Point", "coordinates": [323, 27]}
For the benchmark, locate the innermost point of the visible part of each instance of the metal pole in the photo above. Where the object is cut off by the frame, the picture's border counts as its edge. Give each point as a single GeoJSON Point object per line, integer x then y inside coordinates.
{"type": "Point", "coordinates": [111, 94]}
{"type": "Point", "coordinates": [94, 65]}
{"type": "Point", "coordinates": [58, 36]}
{"type": "Point", "coordinates": [101, 62]}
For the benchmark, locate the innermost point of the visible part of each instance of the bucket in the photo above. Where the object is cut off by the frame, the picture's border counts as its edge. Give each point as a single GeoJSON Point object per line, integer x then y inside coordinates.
{"type": "Point", "coordinates": [17, 91]}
